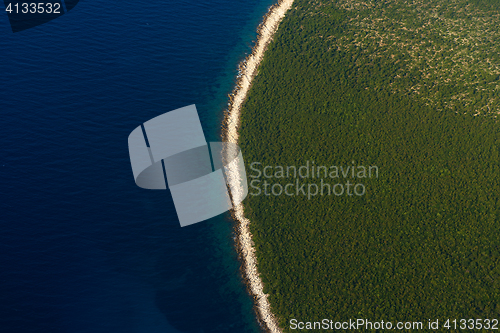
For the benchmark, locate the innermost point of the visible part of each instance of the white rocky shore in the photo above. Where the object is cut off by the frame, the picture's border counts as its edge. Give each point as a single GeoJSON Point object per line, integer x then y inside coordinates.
{"type": "Point", "coordinates": [248, 70]}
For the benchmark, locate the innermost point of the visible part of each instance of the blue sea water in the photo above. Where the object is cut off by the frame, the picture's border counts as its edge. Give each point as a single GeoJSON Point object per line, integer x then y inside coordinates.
{"type": "Point", "coordinates": [82, 249]}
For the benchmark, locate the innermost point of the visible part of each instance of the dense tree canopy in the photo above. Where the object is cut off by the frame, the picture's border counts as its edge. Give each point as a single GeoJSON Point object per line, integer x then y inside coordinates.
{"type": "Point", "coordinates": [413, 88]}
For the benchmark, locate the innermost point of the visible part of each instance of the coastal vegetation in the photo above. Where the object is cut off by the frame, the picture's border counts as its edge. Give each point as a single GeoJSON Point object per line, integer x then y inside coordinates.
{"type": "Point", "coordinates": [412, 87]}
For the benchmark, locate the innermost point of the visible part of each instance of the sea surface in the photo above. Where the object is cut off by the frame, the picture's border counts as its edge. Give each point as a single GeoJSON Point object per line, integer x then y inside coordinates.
{"type": "Point", "coordinates": [82, 248]}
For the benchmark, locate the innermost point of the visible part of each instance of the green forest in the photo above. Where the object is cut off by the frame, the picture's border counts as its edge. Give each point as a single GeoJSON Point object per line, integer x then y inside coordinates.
{"type": "Point", "coordinates": [412, 87]}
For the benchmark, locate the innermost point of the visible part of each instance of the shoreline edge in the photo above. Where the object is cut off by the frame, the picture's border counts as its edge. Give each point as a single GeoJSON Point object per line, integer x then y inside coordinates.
{"type": "Point", "coordinates": [244, 243]}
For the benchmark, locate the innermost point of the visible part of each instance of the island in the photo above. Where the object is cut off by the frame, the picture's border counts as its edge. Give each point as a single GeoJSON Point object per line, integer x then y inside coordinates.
{"type": "Point", "coordinates": [411, 88]}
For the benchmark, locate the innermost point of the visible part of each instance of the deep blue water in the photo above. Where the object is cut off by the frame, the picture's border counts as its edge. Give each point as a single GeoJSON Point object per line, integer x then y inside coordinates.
{"type": "Point", "coordinates": [82, 249]}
